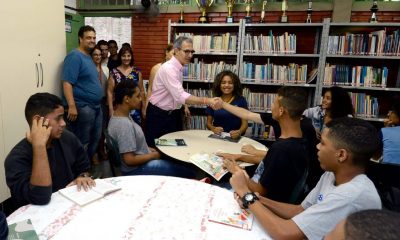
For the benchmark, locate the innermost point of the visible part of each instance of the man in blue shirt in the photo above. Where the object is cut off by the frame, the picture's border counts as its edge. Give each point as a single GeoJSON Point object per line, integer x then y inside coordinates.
{"type": "Point", "coordinates": [82, 92]}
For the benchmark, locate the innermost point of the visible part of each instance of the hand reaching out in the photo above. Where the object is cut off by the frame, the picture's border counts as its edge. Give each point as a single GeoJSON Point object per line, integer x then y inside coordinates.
{"type": "Point", "coordinates": [231, 165]}
{"type": "Point", "coordinates": [216, 103]}
{"type": "Point", "coordinates": [235, 134]}
{"type": "Point", "coordinates": [239, 182]}
{"type": "Point", "coordinates": [249, 149]}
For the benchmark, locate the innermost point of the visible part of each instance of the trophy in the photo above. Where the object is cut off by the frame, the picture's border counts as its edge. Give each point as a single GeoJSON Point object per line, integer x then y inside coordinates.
{"type": "Point", "coordinates": [284, 17]}
{"type": "Point", "coordinates": [264, 3]}
{"type": "Point", "coordinates": [374, 10]}
{"type": "Point", "coordinates": [248, 10]}
{"type": "Point", "coordinates": [309, 11]}
{"type": "Point", "coordinates": [229, 3]}
{"type": "Point", "coordinates": [181, 20]}
{"type": "Point", "coordinates": [203, 5]}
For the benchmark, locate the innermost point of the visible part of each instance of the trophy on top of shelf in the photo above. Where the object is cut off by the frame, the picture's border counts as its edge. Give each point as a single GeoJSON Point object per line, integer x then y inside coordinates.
{"type": "Point", "coordinates": [284, 17]}
{"type": "Point", "coordinates": [203, 5]}
{"type": "Point", "coordinates": [309, 11]}
{"type": "Point", "coordinates": [248, 10]}
{"type": "Point", "coordinates": [374, 10]}
{"type": "Point", "coordinates": [229, 4]}
{"type": "Point", "coordinates": [181, 20]}
{"type": "Point", "coordinates": [264, 3]}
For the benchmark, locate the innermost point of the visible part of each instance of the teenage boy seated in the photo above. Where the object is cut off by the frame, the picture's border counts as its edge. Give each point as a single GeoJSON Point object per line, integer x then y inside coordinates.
{"type": "Point", "coordinates": [345, 149]}
{"type": "Point", "coordinates": [138, 158]}
{"type": "Point", "coordinates": [49, 158]}
{"type": "Point", "coordinates": [368, 225]}
{"type": "Point", "coordinates": [286, 161]}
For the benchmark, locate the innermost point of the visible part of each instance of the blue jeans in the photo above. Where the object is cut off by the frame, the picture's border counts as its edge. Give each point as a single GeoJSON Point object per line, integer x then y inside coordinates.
{"type": "Point", "coordinates": [164, 168]}
{"type": "Point", "coordinates": [87, 128]}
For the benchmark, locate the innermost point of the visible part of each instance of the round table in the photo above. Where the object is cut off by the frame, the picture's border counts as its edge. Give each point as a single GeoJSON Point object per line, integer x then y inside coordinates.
{"type": "Point", "coordinates": [198, 142]}
{"type": "Point", "coordinates": [146, 207]}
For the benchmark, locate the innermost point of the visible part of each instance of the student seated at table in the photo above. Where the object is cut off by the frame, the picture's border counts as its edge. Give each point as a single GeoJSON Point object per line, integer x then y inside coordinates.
{"type": "Point", "coordinates": [287, 159]}
{"type": "Point", "coordinates": [227, 86]}
{"type": "Point", "coordinates": [344, 152]}
{"type": "Point", "coordinates": [49, 158]}
{"type": "Point", "coordinates": [368, 225]}
{"type": "Point", "coordinates": [138, 158]}
{"type": "Point", "coordinates": [390, 137]}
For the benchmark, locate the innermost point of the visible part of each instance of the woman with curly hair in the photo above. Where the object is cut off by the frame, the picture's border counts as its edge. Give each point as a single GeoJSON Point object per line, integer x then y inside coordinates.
{"type": "Point", "coordinates": [227, 86]}
{"type": "Point", "coordinates": [336, 103]}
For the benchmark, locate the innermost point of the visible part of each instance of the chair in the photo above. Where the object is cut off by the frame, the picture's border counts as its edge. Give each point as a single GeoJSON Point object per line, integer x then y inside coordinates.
{"type": "Point", "coordinates": [299, 188]}
{"type": "Point", "coordinates": [114, 156]}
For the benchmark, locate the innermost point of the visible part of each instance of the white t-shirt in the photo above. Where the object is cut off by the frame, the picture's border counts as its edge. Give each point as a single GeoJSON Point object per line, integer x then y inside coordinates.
{"type": "Point", "coordinates": [327, 204]}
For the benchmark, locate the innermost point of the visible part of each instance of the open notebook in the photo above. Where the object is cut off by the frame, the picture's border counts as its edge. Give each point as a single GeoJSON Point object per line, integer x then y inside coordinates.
{"type": "Point", "coordinates": [83, 197]}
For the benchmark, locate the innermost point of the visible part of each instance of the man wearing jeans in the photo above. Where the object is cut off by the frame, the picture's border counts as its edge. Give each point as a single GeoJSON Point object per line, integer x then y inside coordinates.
{"type": "Point", "coordinates": [82, 92]}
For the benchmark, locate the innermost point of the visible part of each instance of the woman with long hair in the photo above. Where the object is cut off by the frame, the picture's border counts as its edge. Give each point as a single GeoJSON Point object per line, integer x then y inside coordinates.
{"type": "Point", "coordinates": [336, 103]}
{"type": "Point", "coordinates": [125, 72]}
{"type": "Point", "coordinates": [227, 86]}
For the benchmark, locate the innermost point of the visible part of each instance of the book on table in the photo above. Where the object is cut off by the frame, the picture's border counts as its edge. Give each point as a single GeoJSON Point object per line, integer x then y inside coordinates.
{"type": "Point", "coordinates": [210, 163]}
{"type": "Point", "coordinates": [22, 230]}
{"type": "Point", "coordinates": [83, 197]}
{"type": "Point", "coordinates": [230, 213]}
{"type": "Point", "coordinates": [169, 142]}
{"type": "Point", "coordinates": [224, 136]}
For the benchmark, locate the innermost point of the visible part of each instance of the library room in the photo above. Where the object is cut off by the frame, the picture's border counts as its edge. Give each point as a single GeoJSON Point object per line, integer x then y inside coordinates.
{"type": "Point", "coordinates": [200, 119]}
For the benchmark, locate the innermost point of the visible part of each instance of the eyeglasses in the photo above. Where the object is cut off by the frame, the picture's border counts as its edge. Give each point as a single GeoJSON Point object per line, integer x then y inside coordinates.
{"type": "Point", "coordinates": [187, 52]}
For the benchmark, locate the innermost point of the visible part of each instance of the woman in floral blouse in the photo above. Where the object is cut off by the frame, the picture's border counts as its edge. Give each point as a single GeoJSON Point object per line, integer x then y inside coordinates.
{"type": "Point", "coordinates": [125, 72]}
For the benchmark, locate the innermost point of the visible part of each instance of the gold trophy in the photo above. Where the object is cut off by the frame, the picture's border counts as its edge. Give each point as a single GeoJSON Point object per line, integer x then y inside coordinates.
{"type": "Point", "coordinates": [203, 5]}
{"type": "Point", "coordinates": [284, 17]}
{"type": "Point", "coordinates": [264, 3]}
{"type": "Point", "coordinates": [229, 4]}
{"type": "Point", "coordinates": [181, 19]}
{"type": "Point", "coordinates": [248, 10]}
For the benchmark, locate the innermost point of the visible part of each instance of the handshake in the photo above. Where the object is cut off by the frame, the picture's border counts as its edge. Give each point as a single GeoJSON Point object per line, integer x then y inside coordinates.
{"type": "Point", "coordinates": [214, 103]}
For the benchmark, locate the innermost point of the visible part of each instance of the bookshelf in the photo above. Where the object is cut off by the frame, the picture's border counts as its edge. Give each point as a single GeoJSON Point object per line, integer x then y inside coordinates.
{"type": "Point", "coordinates": [363, 58]}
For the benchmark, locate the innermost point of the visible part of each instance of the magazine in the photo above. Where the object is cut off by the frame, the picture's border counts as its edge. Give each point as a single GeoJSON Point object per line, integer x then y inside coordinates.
{"type": "Point", "coordinates": [169, 142]}
{"type": "Point", "coordinates": [83, 197]}
{"type": "Point", "coordinates": [210, 163]}
{"type": "Point", "coordinates": [230, 213]}
{"type": "Point", "coordinates": [22, 230]}
{"type": "Point", "coordinates": [224, 136]}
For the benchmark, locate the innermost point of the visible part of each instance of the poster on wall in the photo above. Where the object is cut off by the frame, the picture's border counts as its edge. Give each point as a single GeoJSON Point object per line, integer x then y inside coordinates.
{"type": "Point", "coordinates": [68, 27]}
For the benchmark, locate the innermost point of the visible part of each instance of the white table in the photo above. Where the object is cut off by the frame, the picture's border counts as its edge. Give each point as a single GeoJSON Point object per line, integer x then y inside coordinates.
{"type": "Point", "coordinates": [198, 142]}
{"type": "Point", "coordinates": [147, 207]}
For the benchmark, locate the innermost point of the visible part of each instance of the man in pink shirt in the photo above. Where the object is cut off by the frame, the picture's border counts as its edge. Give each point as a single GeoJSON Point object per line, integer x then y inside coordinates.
{"type": "Point", "coordinates": [163, 112]}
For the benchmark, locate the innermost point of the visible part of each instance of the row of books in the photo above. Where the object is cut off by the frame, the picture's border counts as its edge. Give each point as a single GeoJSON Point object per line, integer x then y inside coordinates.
{"type": "Point", "coordinates": [365, 105]}
{"type": "Point", "coordinates": [196, 122]}
{"type": "Point", "coordinates": [257, 130]}
{"type": "Point", "coordinates": [212, 43]}
{"type": "Point", "coordinates": [272, 73]}
{"type": "Point", "coordinates": [285, 43]}
{"type": "Point", "coordinates": [199, 70]}
{"type": "Point", "coordinates": [377, 43]}
{"type": "Point", "coordinates": [199, 93]}
{"type": "Point", "coordinates": [261, 102]}
{"type": "Point", "coordinates": [360, 76]}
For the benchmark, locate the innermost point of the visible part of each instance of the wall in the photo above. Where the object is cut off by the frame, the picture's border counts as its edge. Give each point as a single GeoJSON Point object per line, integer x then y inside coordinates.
{"type": "Point", "coordinates": [150, 35]}
{"type": "Point", "coordinates": [72, 37]}
{"type": "Point", "coordinates": [364, 16]}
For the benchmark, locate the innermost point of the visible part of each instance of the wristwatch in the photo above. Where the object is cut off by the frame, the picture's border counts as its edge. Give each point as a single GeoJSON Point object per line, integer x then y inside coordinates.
{"type": "Point", "coordinates": [249, 198]}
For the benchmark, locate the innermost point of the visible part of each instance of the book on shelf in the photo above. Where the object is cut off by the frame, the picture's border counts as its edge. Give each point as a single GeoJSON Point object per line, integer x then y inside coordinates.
{"type": "Point", "coordinates": [312, 75]}
{"type": "Point", "coordinates": [230, 214]}
{"type": "Point", "coordinates": [224, 136]}
{"type": "Point", "coordinates": [170, 142]}
{"type": "Point", "coordinates": [210, 163]}
{"type": "Point", "coordinates": [83, 197]}
{"type": "Point", "coordinates": [23, 230]}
